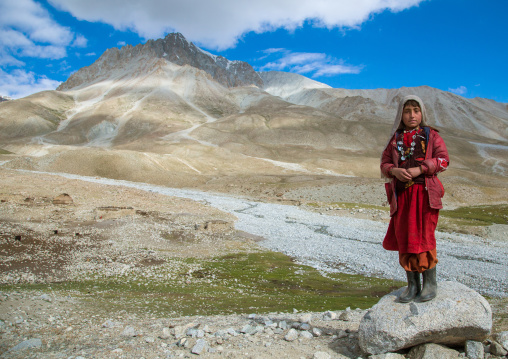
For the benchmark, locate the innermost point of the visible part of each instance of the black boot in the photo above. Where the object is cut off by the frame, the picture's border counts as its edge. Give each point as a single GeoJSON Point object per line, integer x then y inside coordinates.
{"type": "Point", "coordinates": [429, 290]}
{"type": "Point", "coordinates": [413, 287]}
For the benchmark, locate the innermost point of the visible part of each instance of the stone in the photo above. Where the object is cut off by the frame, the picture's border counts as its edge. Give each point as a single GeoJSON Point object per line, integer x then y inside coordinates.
{"type": "Point", "coordinates": [474, 350]}
{"type": "Point", "coordinates": [321, 355]}
{"type": "Point", "coordinates": [283, 325]}
{"type": "Point", "coordinates": [457, 314]}
{"type": "Point", "coordinates": [502, 338]}
{"type": "Point", "coordinates": [304, 326]}
{"type": "Point", "coordinates": [347, 315]}
{"type": "Point", "coordinates": [46, 298]}
{"type": "Point", "coordinates": [129, 332]}
{"type": "Point", "coordinates": [109, 324]}
{"type": "Point", "coordinates": [387, 356]}
{"type": "Point", "coordinates": [317, 332]}
{"type": "Point", "coordinates": [292, 335]}
{"type": "Point", "coordinates": [200, 347]}
{"type": "Point", "coordinates": [329, 315]}
{"type": "Point", "coordinates": [182, 342]}
{"type": "Point", "coordinates": [306, 335]}
{"type": "Point", "coordinates": [432, 351]}
{"type": "Point", "coordinates": [27, 344]}
{"type": "Point", "coordinates": [306, 318]}
{"type": "Point", "coordinates": [166, 333]}
{"type": "Point", "coordinates": [497, 349]}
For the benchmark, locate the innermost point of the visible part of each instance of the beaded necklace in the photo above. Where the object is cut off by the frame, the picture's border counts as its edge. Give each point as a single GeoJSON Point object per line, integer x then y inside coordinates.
{"type": "Point", "coordinates": [406, 151]}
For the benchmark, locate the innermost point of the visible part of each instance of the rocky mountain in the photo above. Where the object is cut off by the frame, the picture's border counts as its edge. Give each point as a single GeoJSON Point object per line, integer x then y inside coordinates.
{"type": "Point", "coordinates": [168, 112]}
{"type": "Point", "coordinates": [173, 48]}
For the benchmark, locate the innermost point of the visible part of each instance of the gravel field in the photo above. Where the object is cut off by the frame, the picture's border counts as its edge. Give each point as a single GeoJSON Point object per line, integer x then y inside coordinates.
{"type": "Point", "coordinates": [332, 243]}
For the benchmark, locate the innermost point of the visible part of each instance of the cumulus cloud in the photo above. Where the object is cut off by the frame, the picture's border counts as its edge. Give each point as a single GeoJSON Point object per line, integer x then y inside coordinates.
{"type": "Point", "coordinates": [19, 83]}
{"type": "Point", "coordinates": [311, 63]}
{"type": "Point", "coordinates": [27, 30]}
{"type": "Point", "coordinates": [461, 90]}
{"type": "Point", "coordinates": [220, 24]}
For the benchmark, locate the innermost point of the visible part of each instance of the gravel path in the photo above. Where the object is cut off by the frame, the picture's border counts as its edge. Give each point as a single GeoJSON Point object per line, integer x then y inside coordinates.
{"type": "Point", "coordinates": [350, 245]}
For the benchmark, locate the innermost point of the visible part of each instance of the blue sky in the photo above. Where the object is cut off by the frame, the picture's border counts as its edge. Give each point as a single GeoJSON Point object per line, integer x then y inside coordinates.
{"type": "Point", "coordinates": [454, 45]}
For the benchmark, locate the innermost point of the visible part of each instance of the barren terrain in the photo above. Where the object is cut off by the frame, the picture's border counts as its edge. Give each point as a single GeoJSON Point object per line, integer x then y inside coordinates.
{"type": "Point", "coordinates": [112, 232]}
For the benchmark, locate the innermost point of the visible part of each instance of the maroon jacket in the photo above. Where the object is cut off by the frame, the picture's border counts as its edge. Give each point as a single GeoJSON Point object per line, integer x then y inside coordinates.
{"type": "Point", "coordinates": [436, 160]}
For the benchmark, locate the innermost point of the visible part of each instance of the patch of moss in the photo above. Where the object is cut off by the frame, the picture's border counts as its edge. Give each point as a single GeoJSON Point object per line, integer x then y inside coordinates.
{"type": "Point", "coordinates": [237, 283]}
{"type": "Point", "coordinates": [5, 152]}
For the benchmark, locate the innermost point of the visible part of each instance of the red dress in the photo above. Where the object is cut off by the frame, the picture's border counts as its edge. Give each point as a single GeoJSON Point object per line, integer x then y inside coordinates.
{"type": "Point", "coordinates": [411, 229]}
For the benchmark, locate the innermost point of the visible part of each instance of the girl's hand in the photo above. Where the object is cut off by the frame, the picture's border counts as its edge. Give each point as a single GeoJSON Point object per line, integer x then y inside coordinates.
{"type": "Point", "coordinates": [414, 171]}
{"type": "Point", "coordinates": [401, 174]}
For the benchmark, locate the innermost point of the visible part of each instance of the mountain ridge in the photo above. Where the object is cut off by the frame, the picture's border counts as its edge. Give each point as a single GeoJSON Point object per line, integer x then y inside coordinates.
{"type": "Point", "coordinates": [209, 120]}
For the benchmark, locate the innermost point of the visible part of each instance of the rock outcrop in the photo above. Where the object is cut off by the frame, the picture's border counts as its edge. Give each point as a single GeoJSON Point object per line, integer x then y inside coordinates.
{"type": "Point", "coordinates": [457, 314]}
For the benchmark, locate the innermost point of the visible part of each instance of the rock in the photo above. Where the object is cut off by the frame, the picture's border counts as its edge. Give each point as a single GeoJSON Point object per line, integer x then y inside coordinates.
{"type": "Point", "coordinates": [30, 343]}
{"type": "Point", "coordinates": [292, 335]}
{"type": "Point", "coordinates": [329, 315]}
{"type": "Point", "coordinates": [129, 332]}
{"type": "Point", "coordinates": [166, 333]}
{"type": "Point", "coordinates": [305, 326]}
{"type": "Point", "coordinates": [387, 356]}
{"type": "Point", "coordinates": [497, 349]}
{"type": "Point", "coordinates": [46, 298]}
{"type": "Point", "coordinates": [321, 355]}
{"type": "Point", "coordinates": [200, 347]}
{"type": "Point", "coordinates": [306, 318]}
{"type": "Point", "coordinates": [249, 329]}
{"type": "Point", "coordinates": [346, 315]}
{"type": "Point", "coordinates": [457, 314]}
{"type": "Point", "coordinates": [182, 342]}
{"type": "Point", "coordinates": [109, 324]}
{"type": "Point", "coordinates": [317, 332]}
{"type": "Point", "coordinates": [474, 350]}
{"type": "Point", "coordinates": [432, 351]}
{"type": "Point", "coordinates": [502, 338]}
{"type": "Point", "coordinates": [306, 335]}
{"type": "Point", "coordinates": [283, 325]}
{"type": "Point", "coordinates": [180, 330]}
{"type": "Point", "coordinates": [149, 339]}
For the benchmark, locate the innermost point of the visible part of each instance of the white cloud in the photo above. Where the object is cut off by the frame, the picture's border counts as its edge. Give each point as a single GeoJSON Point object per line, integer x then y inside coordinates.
{"type": "Point", "coordinates": [315, 64]}
{"type": "Point", "coordinates": [219, 24]}
{"type": "Point", "coordinates": [80, 41]}
{"type": "Point", "coordinates": [461, 90]}
{"type": "Point", "coordinates": [121, 43]}
{"type": "Point", "coordinates": [27, 30]}
{"type": "Point", "coordinates": [19, 83]}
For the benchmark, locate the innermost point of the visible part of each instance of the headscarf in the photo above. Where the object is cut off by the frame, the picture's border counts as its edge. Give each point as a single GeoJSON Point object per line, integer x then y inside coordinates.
{"type": "Point", "coordinates": [398, 124]}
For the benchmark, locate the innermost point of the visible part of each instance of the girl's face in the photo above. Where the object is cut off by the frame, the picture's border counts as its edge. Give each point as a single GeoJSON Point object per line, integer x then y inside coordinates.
{"type": "Point", "coordinates": [411, 117]}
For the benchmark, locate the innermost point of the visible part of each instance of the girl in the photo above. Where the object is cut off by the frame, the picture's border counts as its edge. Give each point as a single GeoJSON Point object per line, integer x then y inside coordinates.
{"type": "Point", "coordinates": [412, 158]}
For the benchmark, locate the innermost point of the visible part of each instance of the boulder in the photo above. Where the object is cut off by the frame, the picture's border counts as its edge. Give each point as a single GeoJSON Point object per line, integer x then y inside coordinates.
{"type": "Point", "coordinates": [457, 314]}
{"type": "Point", "coordinates": [433, 351]}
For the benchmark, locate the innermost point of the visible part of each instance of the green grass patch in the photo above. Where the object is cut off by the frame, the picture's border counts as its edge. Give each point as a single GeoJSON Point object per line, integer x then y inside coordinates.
{"type": "Point", "coordinates": [478, 215]}
{"type": "Point", "coordinates": [238, 283]}
{"type": "Point", "coordinates": [5, 152]}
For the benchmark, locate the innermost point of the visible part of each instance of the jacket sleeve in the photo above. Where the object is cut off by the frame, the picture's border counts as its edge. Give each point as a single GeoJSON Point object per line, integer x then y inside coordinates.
{"type": "Point", "coordinates": [387, 161]}
{"type": "Point", "coordinates": [439, 160]}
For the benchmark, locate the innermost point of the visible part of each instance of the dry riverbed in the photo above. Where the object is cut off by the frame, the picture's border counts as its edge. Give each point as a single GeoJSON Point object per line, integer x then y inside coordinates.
{"type": "Point", "coordinates": [121, 272]}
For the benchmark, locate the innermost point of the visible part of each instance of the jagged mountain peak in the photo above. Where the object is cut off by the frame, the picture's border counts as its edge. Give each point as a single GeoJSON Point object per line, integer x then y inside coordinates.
{"type": "Point", "coordinates": [173, 48]}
